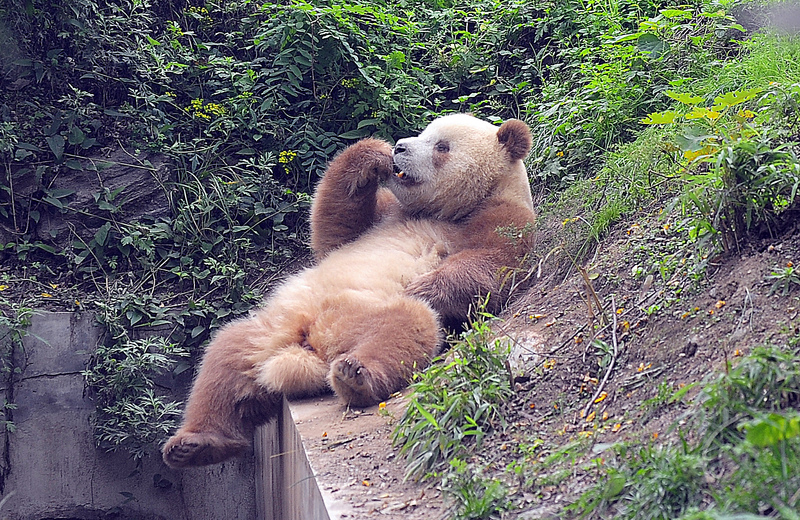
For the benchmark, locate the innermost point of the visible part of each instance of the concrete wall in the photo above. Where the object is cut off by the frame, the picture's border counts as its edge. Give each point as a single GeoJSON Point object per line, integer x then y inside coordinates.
{"type": "Point", "coordinates": [54, 470]}
{"type": "Point", "coordinates": [286, 488]}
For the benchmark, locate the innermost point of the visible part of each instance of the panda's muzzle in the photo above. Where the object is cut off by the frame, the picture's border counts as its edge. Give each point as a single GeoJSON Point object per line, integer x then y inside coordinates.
{"type": "Point", "coordinates": [402, 175]}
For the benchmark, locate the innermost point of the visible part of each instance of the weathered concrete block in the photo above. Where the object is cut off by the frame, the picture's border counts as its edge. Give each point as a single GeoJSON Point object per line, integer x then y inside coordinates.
{"type": "Point", "coordinates": [54, 469]}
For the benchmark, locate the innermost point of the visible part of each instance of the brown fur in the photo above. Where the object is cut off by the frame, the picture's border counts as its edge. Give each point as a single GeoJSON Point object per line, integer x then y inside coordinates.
{"type": "Point", "coordinates": [515, 136]}
{"type": "Point", "coordinates": [345, 204]}
{"type": "Point", "coordinates": [393, 263]}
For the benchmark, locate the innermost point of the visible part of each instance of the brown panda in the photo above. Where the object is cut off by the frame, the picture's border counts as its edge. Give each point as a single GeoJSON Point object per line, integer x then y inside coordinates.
{"type": "Point", "coordinates": [405, 240]}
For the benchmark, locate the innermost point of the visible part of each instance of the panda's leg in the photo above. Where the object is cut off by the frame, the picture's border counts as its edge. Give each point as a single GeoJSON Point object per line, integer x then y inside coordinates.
{"type": "Point", "coordinates": [225, 403]}
{"type": "Point", "coordinates": [296, 371]}
{"type": "Point", "coordinates": [231, 395]}
{"type": "Point", "coordinates": [389, 344]}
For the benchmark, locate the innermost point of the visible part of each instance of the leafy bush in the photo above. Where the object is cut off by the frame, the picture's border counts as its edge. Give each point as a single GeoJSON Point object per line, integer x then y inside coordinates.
{"type": "Point", "coordinates": [734, 175]}
{"type": "Point", "coordinates": [456, 399]}
{"type": "Point", "coordinates": [130, 414]}
{"type": "Point", "coordinates": [474, 497]}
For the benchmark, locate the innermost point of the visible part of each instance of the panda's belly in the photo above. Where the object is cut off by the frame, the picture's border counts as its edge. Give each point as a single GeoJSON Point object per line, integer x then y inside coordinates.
{"type": "Point", "coordinates": [383, 261]}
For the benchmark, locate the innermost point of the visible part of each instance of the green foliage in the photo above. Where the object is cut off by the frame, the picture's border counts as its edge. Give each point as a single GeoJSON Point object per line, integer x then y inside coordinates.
{"type": "Point", "coordinates": [734, 175]}
{"type": "Point", "coordinates": [612, 66]}
{"type": "Point", "coordinates": [654, 483]}
{"type": "Point", "coordinates": [783, 278]}
{"type": "Point", "coordinates": [454, 400]}
{"type": "Point", "coordinates": [15, 319]}
{"type": "Point", "coordinates": [130, 414]}
{"type": "Point", "coordinates": [766, 381]}
{"type": "Point", "coordinates": [744, 431]}
{"type": "Point", "coordinates": [474, 497]}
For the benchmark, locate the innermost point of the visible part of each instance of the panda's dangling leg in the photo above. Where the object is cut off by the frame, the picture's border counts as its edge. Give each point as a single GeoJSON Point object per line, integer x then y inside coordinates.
{"type": "Point", "coordinates": [226, 403]}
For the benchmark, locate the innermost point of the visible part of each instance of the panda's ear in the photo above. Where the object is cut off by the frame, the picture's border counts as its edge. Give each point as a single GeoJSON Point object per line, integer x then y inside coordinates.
{"type": "Point", "coordinates": [515, 136]}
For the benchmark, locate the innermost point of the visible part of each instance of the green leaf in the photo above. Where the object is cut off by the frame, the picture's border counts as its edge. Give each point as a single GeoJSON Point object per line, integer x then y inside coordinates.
{"type": "Point", "coordinates": [693, 139]}
{"type": "Point", "coordinates": [651, 44]}
{"type": "Point", "coordinates": [114, 113]}
{"type": "Point", "coordinates": [55, 202]}
{"type": "Point", "coordinates": [60, 193]}
{"type": "Point", "coordinates": [368, 122]}
{"type": "Point", "coordinates": [686, 99]}
{"type": "Point", "coordinates": [701, 112]}
{"type": "Point", "coordinates": [614, 485]}
{"type": "Point", "coordinates": [105, 206]}
{"type": "Point", "coordinates": [660, 118]}
{"type": "Point", "coordinates": [355, 134]}
{"type": "Point", "coordinates": [133, 316]}
{"type": "Point", "coordinates": [771, 430]}
{"type": "Point", "coordinates": [676, 13]}
{"type": "Point", "coordinates": [80, 257]}
{"type": "Point", "coordinates": [426, 414]}
{"type": "Point", "coordinates": [625, 38]}
{"type": "Point", "coordinates": [296, 71]}
{"type": "Point", "coordinates": [76, 135]}
{"type": "Point", "coordinates": [734, 98]}
{"type": "Point", "coordinates": [45, 247]}
{"type": "Point", "coordinates": [151, 41]}
{"type": "Point", "coordinates": [197, 331]}
{"type": "Point", "coordinates": [102, 234]}
{"type": "Point", "coordinates": [56, 143]}
{"type": "Point", "coordinates": [73, 164]}
{"type": "Point", "coordinates": [396, 59]}
{"type": "Point", "coordinates": [29, 147]}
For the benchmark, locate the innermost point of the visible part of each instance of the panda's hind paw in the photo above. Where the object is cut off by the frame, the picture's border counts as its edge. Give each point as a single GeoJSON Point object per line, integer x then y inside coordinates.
{"type": "Point", "coordinates": [200, 449]}
{"type": "Point", "coordinates": [353, 382]}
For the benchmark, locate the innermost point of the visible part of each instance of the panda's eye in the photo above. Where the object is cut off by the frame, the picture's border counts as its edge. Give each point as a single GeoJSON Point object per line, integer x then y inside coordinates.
{"type": "Point", "coordinates": [442, 147]}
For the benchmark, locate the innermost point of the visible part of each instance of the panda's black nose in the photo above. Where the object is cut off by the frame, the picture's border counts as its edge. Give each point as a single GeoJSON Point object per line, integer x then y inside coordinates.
{"type": "Point", "coordinates": [399, 148]}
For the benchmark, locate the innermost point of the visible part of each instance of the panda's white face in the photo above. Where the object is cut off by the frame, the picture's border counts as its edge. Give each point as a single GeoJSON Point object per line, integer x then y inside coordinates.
{"type": "Point", "coordinates": [449, 168]}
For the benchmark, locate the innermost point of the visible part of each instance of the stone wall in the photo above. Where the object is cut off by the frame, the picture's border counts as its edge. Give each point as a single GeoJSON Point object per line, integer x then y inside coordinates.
{"type": "Point", "coordinates": [53, 470]}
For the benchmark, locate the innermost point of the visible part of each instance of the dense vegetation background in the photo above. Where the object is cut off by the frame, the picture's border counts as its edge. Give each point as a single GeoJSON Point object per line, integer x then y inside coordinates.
{"type": "Point", "coordinates": [231, 111]}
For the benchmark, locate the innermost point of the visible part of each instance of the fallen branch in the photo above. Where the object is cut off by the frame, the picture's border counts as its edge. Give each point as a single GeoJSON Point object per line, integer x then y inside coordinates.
{"type": "Point", "coordinates": [613, 359]}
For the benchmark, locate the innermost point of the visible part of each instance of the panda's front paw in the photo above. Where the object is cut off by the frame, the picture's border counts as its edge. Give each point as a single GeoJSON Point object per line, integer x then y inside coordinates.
{"type": "Point", "coordinates": [370, 161]}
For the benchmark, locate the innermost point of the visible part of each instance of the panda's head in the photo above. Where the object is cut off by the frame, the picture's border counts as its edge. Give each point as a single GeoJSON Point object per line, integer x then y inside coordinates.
{"type": "Point", "coordinates": [456, 163]}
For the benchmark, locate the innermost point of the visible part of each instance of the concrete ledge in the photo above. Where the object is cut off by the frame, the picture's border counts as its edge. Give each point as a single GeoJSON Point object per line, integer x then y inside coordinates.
{"type": "Point", "coordinates": [285, 485]}
{"type": "Point", "coordinates": [355, 465]}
